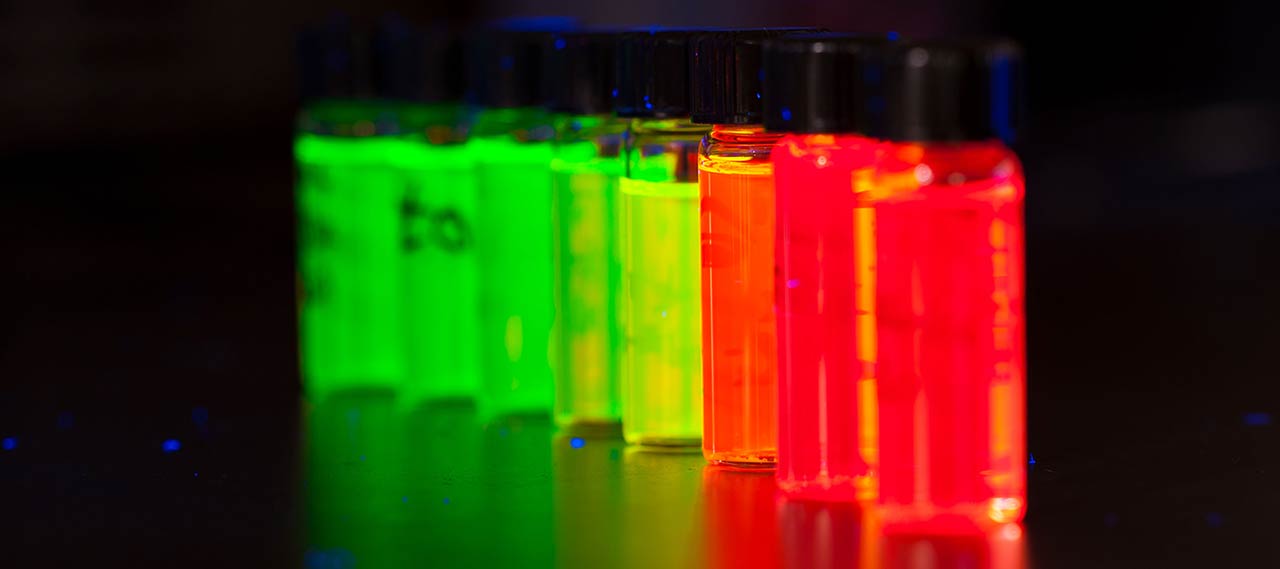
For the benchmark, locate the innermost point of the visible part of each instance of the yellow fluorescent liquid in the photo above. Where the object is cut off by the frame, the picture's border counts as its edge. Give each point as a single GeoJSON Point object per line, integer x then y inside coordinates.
{"type": "Point", "coordinates": [661, 288]}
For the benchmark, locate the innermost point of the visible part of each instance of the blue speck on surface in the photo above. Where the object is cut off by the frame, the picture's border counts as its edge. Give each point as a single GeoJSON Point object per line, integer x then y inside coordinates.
{"type": "Point", "coordinates": [559, 43]}
{"type": "Point", "coordinates": [757, 95]}
{"type": "Point", "coordinates": [66, 420]}
{"type": "Point", "coordinates": [786, 113]}
{"type": "Point", "coordinates": [1257, 419]}
{"type": "Point", "coordinates": [10, 443]}
{"type": "Point", "coordinates": [195, 474]}
{"type": "Point", "coordinates": [404, 499]}
{"type": "Point", "coordinates": [446, 501]}
{"type": "Point", "coordinates": [1214, 519]}
{"type": "Point", "coordinates": [503, 432]}
{"type": "Point", "coordinates": [1111, 519]}
{"type": "Point", "coordinates": [577, 442]}
{"type": "Point", "coordinates": [362, 458]}
{"type": "Point", "coordinates": [615, 93]}
{"type": "Point", "coordinates": [893, 36]}
{"type": "Point", "coordinates": [171, 445]}
{"type": "Point", "coordinates": [1031, 459]}
{"type": "Point", "coordinates": [793, 283]}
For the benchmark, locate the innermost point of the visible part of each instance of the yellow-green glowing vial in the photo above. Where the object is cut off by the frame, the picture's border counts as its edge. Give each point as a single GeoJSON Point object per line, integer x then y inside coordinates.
{"type": "Point", "coordinates": [585, 171]}
{"type": "Point", "coordinates": [659, 233]}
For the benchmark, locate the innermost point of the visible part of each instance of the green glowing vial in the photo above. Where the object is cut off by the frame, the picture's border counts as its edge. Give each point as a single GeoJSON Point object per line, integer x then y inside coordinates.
{"type": "Point", "coordinates": [660, 243]}
{"type": "Point", "coordinates": [348, 201]}
{"type": "Point", "coordinates": [438, 283]}
{"type": "Point", "coordinates": [510, 146]}
{"type": "Point", "coordinates": [585, 172]}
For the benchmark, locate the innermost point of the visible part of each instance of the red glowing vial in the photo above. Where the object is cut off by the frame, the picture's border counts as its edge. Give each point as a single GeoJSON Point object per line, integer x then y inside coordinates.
{"type": "Point", "coordinates": [950, 358]}
{"type": "Point", "coordinates": [826, 321]}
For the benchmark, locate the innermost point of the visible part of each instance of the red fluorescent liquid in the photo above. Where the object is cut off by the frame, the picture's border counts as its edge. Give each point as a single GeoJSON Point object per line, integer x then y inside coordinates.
{"type": "Point", "coordinates": [989, 547]}
{"type": "Point", "coordinates": [739, 333]}
{"type": "Point", "coordinates": [949, 312]}
{"type": "Point", "coordinates": [826, 340]}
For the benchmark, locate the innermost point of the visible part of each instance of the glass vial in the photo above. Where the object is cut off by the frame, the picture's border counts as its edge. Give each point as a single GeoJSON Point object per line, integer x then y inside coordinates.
{"type": "Point", "coordinates": [348, 198]}
{"type": "Point", "coordinates": [739, 339]}
{"type": "Point", "coordinates": [659, 243]}
{"type": "Point", "coordinates": [586, 166]}
{"type": "Point", "coordinates": [951, 362]}
{"type": "Point", "coordinates": [510, 146]}
{"type": "Point", "coordinates": [826, 340]}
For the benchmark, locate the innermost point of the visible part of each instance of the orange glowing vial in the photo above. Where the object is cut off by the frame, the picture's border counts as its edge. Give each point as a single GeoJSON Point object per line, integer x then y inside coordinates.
{"type": "Point", "coordinates": [735, 178]}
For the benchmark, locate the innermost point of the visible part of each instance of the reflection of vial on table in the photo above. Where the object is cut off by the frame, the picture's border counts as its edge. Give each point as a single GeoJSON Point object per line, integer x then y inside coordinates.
{"type": "Point", "coordinates": [739, 352]}
{"type": "Point", "coordinates": [826, 334]}
{"type": "Point", "coordinates": [348, 201]}
{"type": "Point", "coordinates": [417, 69]}
{"type": "Point", "coordinates": [585, 172]}
{"type": "Point", "coordinates": [510, 145]}
{"type": "Point", "coordinates": [949, 288]}
{"type": "Point", "coordinates": [659, 240]}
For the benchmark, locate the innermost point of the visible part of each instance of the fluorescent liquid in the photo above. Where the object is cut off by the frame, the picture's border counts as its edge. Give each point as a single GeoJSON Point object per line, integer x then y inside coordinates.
{"type": "Point", "coordinates": [826, 319]}
{"type": "Point", "coordinates": [513, 236]}
{"type": "Point", "coordinates": [351, 323]}
{"type": "Point", "coordinates": [950, 331]}
{"type": "Point", "coordinates": [740, 373]}
{"type": "Point", "coordinates": [437, 237]}
{"type": "Point", "coordinates": [585, 187]}
{"type": "Point", "coordinates": [662, 390]}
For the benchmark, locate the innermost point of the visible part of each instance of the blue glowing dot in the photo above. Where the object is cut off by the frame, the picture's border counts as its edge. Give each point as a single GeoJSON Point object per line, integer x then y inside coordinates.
{"type": "Point", "coordinates": [1214, 519]}
{"type": "Point", "coordinates": [577, 442]}
{"type": "Point", "coordinates": [893, 36]}
{"type": "Point", "coordinates": [1032, 459]}
{"type": "Point", "coordinates": [757, 95]}
{"type": "Point", "coordinates": [1257, 419]}
{"type": "Point", "coordinates": [404, 499]}
{"type": "Point", "coordinates": [196, 474]}
{"type": "Point", "coordinates": [171, 445]}
{"type": "Point", "coordinates": [559, 43]}
{"type": "Point", "coordinates": [508, 62]}
{"type": "Point", "coordinates": [503, 432]}
{"type": "Point", "coordinates": [793, 283]}
{"type": "Point", "coordinates": [786, 114]}
{"type": "Point", "coordinates": [362, 458]}
{"type": "Point", "coordinates": [66, 420]}
{"type": "Point", "coordinates": [615, 93]}
{"type": "Point", "coordinates": [648, 105]}
{"type": "Point", "coordinates": [200, 416]}
{"type": "Point", "coordinates": [10, 443]}
{"type": "Point", "coordinates": [446, 501]}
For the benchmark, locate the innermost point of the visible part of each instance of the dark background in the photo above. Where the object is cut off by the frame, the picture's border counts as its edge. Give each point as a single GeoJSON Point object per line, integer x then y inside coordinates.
{"type": "Point", "coordinates": [146, 245]}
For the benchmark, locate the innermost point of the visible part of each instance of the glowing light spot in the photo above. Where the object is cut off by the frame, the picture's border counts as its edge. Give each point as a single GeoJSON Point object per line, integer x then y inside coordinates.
{"type": "Point", "coordinates": [404, 499]}
{"type": "Point", "coordinates": [1257, 419]}
{"type": "Point", "coordinates": [786, 113]}
{"type": "Point", "coordinates": [171, 445]}
{"type": "Point", "coordinates": [1032, 459]}
{"type": "Point", "coordinates": [893, 36]}
{"type": "Point", "coordinates": [559, 43]}
{"type": "Point", "coordinates": [793, 283]}
{"type": "Point", "coordinates": [1011, 532]}
{"type": "Point", "coordinates": [822, 161]}
{"type": "Point", "coordinates": [664, 313]}
{"type": "Point", "coordinates": [577, 442]}
{"type": "Point", "coordinates": [924, 174]}
{"type": "Point", "coordinates": [9, 443]}
{"type": "Point", "coordinates": [757, 95]}
{"type": "Point", "coordinates": [446, 501]}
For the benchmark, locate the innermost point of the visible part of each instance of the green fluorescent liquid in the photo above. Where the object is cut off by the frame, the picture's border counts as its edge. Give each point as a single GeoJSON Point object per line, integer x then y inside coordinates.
{"type": "Point", "coordinates": [585, 175]}
{"type": "Point", "coordinates": [440, 282]}
{"type": "Point", "coordinates": [513, 238]}
{"type": "Point", "coordinates": [349, 260]}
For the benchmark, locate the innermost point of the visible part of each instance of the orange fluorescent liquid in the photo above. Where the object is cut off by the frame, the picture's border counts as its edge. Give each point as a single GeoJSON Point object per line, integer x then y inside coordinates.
{"type": "Point", "coordinates": [740, 370]}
